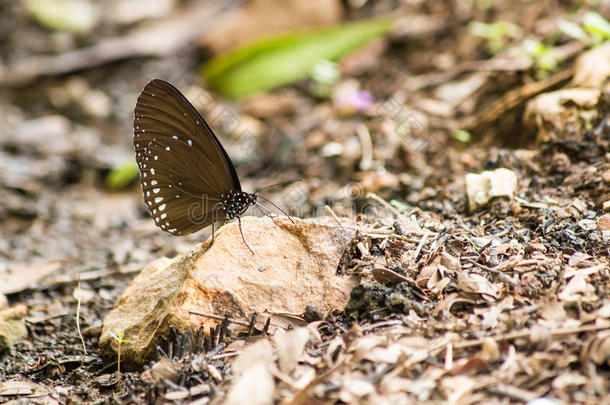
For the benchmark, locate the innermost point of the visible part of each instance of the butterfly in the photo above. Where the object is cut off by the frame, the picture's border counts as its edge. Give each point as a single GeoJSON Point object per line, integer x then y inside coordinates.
{"type": "Point", "coordinates": [187, 177]}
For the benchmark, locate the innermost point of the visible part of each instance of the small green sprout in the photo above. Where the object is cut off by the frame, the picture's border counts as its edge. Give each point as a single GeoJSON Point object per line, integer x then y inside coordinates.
{"type": "Point", "coordinates": [119, 338]}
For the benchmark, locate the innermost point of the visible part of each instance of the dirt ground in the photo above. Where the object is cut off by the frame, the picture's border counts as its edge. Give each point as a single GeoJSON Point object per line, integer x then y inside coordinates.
{"type": "Point", "coordinates": [505, 303]}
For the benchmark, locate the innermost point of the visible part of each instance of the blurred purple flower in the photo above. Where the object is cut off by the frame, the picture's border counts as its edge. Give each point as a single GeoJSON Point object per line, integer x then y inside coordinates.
{"type": "Point", "coordinates": [348, 95]}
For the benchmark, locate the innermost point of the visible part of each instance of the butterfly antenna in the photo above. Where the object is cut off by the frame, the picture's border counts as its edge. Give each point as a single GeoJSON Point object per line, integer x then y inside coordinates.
{"type": "Point", "coordinates": [265, 212]}
{"type": "Point", "coordinates": [242, 235]}
{"type": "Point", "coordinates": [283, 183]}
{"type": "Point", "coordinates": [272, 203]}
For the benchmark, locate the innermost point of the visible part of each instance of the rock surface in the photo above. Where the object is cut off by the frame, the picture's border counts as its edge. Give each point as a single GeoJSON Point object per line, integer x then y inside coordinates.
{"type": "Point", "coordinates": [294, 265]}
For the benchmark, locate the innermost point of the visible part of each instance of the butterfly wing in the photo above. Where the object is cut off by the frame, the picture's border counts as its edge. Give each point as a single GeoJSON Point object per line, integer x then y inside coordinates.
{"type": "Point", "coordinates": [184, 168]}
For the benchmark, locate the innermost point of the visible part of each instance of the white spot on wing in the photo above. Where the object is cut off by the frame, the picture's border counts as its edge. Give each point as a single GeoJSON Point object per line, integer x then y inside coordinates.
{"type": "Point", "coordinates": [158, 199]}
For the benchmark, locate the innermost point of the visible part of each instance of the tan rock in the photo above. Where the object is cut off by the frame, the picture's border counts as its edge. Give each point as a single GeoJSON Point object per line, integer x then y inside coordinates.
{"type": "Point", "coordinates": [481, 187]}
{"type": "Point", "coordinates": [294, 265]}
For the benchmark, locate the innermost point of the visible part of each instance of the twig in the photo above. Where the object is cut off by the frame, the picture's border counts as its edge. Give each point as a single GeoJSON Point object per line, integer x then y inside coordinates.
{"type": "Point", "coordinates": [80, 335]}
{"type": "Point", "coordinates": [332, 214]}
{"type": "Point", "coordinates": [421, 243]}
{"type": "Point", "coordinates": [385, 204]}
{"type": "Point", "coordinates": [224, 355]}
{"type": "Point", "coordinates": [159, 38]}
{"type": "Point", "coordinates": [524, 334]}
{"type": "Point", "coordinates": [514, 98]}
{"type": "Point", "coordinates": [367, 147]}
{"type": "Point", "coordinates": [382, 324]}
{"type": "Point", "coordinates": [501, 275]}
{"type": "Point", "coordinates": [411, 226]}
{"type": "Point", "coordinates": [222, 318]}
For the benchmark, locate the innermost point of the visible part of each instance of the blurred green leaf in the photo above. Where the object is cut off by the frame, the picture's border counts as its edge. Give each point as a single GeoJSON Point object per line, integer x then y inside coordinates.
{"type": "Point", "coordinates": [496, 34]}
{"type": "Point", "coordinates": [461, 135]}
{"type": "Point", "coordinates": [121, 176]}
{"type": "Point", "coordinates": [543, 56]}
{"type": "Point", "coordinates": [325, 72]}
{"type": "Point", "coordinates": [597, 25]}
{"type": "Point", "coordinates": [535, 48]}
{"type": "Point", "coordinates": [76, 16]}
{"type": "Point", "coordinates": [282, 59]}
{"type": "Point", "coordinates": [573, 30]}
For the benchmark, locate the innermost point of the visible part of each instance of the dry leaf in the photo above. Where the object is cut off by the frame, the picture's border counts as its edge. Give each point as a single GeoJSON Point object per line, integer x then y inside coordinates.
{"type": "Point", "coordinates": [290, 346]}
{"type": "Point", "coordinates": [578, 289]}
{"type": "Point", "coordinates": [477, 284]}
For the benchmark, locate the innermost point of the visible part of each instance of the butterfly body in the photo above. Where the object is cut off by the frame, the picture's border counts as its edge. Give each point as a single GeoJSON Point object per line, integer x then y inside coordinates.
{"type": "Point", "coordinates": [236, 203]}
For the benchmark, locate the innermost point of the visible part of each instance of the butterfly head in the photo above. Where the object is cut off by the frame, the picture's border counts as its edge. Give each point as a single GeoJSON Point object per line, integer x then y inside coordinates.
{"type": "Point", "coordinates": [235, 203]}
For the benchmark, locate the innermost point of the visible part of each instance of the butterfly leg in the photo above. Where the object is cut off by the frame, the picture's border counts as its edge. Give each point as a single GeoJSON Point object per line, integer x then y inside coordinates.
{"type": "Point", "coordinates": [214, 229]}
{"type": "Point", "coordinates": [242, 235]}
{"type": "Point", "coordinates": [211, 241]}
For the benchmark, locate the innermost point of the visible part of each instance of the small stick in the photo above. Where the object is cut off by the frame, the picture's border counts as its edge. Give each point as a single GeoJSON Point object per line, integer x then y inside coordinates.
{"type": "Point", "coordinates": [367, 147]}
{"type": "Point", "coordinates": [332, 214]}
{"type": "Point", "coordinates": [222, 318]}
{"type": "Point", "coordinates": [80, 335]}
{"type": "Point", "coordinates": [524, 334]}
{"type": "Point", "coordinates": [421, 243]}
{"type": "Point", "coordinates": [385, 204]}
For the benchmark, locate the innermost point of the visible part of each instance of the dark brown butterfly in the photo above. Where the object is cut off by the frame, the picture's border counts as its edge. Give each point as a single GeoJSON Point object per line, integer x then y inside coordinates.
{"type": "Point", "coordinates": [187, 177]}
